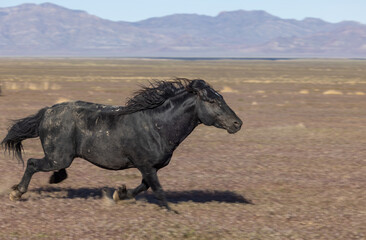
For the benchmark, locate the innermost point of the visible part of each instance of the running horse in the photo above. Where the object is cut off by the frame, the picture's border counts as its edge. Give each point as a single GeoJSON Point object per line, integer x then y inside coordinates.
{"type": "Point", "coordinates": [143, 134]}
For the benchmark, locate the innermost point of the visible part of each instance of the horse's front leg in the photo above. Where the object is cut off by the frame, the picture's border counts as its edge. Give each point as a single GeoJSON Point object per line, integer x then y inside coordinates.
{"type": "Point", "coordinates": [151, 177]}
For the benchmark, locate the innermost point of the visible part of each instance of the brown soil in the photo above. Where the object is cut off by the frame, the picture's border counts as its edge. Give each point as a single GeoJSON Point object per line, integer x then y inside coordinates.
{"type": "Point", "coordinates": [297, 169]}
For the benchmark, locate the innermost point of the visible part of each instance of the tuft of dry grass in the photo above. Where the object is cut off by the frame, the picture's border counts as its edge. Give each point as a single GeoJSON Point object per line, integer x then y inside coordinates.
{"type": "Point", "coordinates": [34, 86]}
{"type": "Point", "coordinates": [62, 99]}
{"type": "Point", "coordinates": [358, 93]}
{"type": "Point", "coordinates": [227, 89]}
{"type": "Point", "coordinates": [333, 92]}
{"type": "Point", "coordinates": [304, 91]}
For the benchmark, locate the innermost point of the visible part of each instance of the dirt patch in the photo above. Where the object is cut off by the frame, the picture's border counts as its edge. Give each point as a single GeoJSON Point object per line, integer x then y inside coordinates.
{"type": "Point", "coordinates": [296, 170]}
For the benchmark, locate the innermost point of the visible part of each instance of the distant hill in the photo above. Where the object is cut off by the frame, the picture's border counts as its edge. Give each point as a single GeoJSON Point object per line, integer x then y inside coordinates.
{"type": "Point", "coordinates": [51, 30]}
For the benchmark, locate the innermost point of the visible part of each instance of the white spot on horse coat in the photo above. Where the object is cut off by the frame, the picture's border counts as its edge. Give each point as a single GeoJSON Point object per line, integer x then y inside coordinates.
{"type": "Point", "coordinates": [145, 126]}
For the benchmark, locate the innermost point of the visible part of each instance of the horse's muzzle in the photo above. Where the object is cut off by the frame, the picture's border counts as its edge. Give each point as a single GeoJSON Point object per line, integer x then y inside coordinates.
{"type": "Point", "coordinates": [235, 126]}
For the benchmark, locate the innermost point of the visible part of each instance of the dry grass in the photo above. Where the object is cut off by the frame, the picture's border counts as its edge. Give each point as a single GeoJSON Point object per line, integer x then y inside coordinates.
{"type": "Point", "coordinates": [333, 92]}
{"type": "Point", "coordinates": [357, 93]}
{"type": "Point", "coordinates": [300, 157]}
{"type": "Point", "coordinates": [304, 91]}
{"type": "Point", "coordinates": [62, 99]}
{"type": "Point", "coordinates": [34, 86]}
{"type": "Point", "coordinates": [227, 89]}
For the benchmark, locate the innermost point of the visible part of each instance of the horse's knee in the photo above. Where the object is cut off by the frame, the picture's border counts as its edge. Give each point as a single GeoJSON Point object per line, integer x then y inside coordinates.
{"type": "Point", "coordinates": [32, 165]}
{"type": "Point", "coordinates": [36, 165]}
{"type": "Point", "coordinates": [47, 164]}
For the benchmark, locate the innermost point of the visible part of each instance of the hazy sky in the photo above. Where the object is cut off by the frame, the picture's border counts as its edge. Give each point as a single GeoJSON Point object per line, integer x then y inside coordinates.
{"type": "Point", "coordinates": [134, 10]}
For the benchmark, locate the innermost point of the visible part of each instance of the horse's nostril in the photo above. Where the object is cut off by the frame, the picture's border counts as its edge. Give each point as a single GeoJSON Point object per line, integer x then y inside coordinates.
{"type": "Point", "coordinates": [237, 124]}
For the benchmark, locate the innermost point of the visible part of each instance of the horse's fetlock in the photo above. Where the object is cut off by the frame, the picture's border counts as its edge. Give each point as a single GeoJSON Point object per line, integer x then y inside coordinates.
{"type": "Point", "coordinates": [129, 194]}
{"type": "Point", "coordinates": [22, 189]}
{"type": "Point", "coordinates": [31, 165]}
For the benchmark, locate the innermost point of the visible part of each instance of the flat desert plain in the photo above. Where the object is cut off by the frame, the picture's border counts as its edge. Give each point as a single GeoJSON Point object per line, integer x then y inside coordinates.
{"type": "Point", "coordinates": [296, 170]}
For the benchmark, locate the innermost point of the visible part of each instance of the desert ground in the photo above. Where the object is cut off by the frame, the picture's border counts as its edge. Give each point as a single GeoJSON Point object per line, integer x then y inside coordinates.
{"type": "Point", "coordinates": [296, 170]}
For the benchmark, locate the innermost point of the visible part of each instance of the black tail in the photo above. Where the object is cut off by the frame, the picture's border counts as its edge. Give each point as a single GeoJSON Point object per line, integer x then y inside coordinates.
{"type": "Point", "coordinates": [22, 129]}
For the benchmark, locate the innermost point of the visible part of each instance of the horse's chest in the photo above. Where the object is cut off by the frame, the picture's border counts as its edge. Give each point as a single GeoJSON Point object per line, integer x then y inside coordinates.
{"type": "Point", "coordinates": [165, 162]}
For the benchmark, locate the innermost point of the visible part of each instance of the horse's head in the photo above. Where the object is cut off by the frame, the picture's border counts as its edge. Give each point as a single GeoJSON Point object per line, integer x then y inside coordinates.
{"type": "Point", "coordinates": [212, 108]}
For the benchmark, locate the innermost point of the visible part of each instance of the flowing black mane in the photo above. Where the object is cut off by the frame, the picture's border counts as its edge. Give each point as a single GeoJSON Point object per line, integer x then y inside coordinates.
{"type": "Point", "coordinates": [156, 94]}
{"type": "Point", "coordinates": [159, 91]}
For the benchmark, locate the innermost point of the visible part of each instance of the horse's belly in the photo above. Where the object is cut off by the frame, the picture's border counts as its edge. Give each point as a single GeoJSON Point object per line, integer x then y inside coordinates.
{"type": "Point", "coordinates": [110, 163]}
{"type": "Point", "coordinates": [106, 157]}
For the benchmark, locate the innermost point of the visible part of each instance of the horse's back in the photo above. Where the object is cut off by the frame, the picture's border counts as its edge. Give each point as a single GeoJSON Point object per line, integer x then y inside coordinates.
{"type": "Point", "coordinates": [86, 130]}
{"type": "Point", "coordinates": [64, 122]}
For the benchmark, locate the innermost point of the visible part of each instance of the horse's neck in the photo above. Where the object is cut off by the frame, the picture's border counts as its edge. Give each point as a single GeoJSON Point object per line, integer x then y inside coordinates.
{"type": "Point", "coordinates": [178, 118]}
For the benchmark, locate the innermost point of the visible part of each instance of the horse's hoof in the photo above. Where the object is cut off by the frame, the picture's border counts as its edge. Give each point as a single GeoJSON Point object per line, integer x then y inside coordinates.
{"type": "Point", "coordinates": [174, 211]}
{"type": "Point", "coordinates": [58, 177]}
{"type": "Point", "coordinates": [169, 210]}
{"type": "Point", "coordinates": [120, 193]}
{"type": "Point", "coordinates": [15, 195]}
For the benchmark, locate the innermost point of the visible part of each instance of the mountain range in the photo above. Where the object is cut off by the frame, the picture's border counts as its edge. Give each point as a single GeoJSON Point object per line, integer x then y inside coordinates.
{"type": "Point", "coordinates": [51, 30]}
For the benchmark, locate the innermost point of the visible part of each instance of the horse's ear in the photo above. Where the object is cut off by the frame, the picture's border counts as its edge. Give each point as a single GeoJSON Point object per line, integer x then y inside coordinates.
{"type": "Point", "coordinates": [197, 85]}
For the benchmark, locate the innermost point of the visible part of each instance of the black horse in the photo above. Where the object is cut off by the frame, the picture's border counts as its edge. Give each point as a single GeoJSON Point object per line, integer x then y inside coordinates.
{"type": "Point", "coordinates": [141, 135]}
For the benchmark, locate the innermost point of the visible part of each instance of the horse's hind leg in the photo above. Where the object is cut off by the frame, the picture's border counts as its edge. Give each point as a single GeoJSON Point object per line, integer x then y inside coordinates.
{"type": "Point", "coordinates": [58, 176]}
{"type": "Point", "coordinates": [33, 166]}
